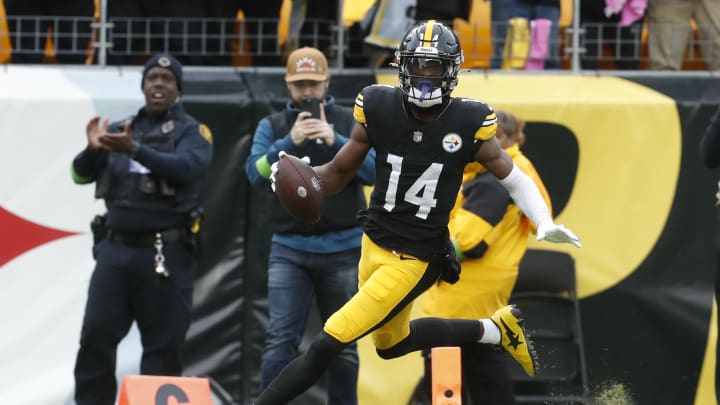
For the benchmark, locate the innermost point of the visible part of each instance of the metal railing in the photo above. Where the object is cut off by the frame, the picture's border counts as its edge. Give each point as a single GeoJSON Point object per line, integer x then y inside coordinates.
{"type": "Point", "coordinates": [255, 42]}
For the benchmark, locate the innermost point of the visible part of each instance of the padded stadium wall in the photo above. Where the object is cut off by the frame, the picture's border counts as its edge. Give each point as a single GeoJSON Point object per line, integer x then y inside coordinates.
{"type": "Point", "coordinates": [619, 157]}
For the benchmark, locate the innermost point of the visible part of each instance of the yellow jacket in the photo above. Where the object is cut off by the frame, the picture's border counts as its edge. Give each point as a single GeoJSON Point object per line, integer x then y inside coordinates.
{"type": "Point", "coordinates": [492, 234]}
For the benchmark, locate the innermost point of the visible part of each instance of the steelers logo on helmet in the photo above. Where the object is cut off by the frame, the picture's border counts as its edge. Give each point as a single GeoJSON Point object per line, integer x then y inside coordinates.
{"type": "Point", "coordinates": [429, 59]}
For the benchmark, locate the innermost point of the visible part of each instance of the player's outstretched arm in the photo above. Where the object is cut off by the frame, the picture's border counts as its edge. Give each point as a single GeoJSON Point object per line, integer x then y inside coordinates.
{"type": "Point", "coordinates": [524, 192]}
{"type": "Point", "coordinates": [338, 172]}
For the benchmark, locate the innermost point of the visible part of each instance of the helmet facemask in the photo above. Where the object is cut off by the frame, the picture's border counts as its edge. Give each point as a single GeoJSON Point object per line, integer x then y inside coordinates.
{"type": "Point", "coordinates": [429, 58]}
{"type": "Point", "coordinates": [426, 79]}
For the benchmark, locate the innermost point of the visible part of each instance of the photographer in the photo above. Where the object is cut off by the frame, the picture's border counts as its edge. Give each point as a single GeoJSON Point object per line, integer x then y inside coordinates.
{"type": "Point", "coordinates": [310, 260]}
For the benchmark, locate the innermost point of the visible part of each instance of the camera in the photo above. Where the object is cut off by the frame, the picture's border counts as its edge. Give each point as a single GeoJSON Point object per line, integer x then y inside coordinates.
{"type": "Point", "coordinates": [312, 105]}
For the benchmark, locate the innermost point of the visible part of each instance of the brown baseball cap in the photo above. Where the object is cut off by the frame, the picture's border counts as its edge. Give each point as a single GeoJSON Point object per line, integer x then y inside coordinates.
{"type": "Point", "coordinates": [306, 64]}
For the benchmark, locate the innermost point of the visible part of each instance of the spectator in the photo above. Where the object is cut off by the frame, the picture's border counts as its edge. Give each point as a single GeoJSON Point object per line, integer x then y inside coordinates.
{"type": "Point", "coordinates": [69, 21]}
{"type": "Point", "coordinates": [490, 236]}
{"type": "Point", "coordinates": [503, 11]}
{"type": "Point", "coordinates": [310, 260]}
{"type": "Point", "coordinates": [669, 30]}
{"type": "Point", "coordinates": [617, 24]}
{"type": "Point", "coordinates": [149, 170]}
{"type": "Point", "coordinates": [423, 138]}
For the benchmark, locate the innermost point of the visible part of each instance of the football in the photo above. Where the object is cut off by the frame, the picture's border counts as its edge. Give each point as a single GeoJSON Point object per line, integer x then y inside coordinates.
{"type": "Point", "coordinates": [299, 189]}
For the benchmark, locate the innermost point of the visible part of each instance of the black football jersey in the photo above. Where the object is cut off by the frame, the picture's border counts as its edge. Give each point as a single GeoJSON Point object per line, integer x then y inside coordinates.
{"type": "Point", "coordinates": [418, 166]}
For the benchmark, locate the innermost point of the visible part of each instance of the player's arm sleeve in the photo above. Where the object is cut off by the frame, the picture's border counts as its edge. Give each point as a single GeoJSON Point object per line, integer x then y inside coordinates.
{"type": "Point", "coordinates": [485, 204]}
{"type": "Point", "coordinates": [359, 110]}
{"type": "Point", "coordinates": [190, 160]}
{"type": "Point", "coordinates": [527, 196]}
{"type": "Point", "coordinates": [528, 168]}
{"type": "Point", "coordinates": [488, 127]}
{"type": "Point", "coordinates": [710, 142]}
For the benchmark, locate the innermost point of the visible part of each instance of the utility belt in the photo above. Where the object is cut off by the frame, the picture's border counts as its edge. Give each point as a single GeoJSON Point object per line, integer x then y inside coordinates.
{"type": "Point", "coordinates": [190, 234]}
{"type": "Point", "coordinates": [148, 239]}
{"type": "Point", "coordinates": [156, 240]}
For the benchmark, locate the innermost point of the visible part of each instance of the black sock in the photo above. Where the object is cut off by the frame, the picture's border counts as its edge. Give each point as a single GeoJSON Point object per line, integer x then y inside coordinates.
{"type": "Point", "coordinates": [434, 332]}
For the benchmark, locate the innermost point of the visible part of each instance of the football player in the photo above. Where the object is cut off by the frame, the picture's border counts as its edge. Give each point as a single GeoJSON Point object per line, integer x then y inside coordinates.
{"type": "Point", "coordinates": [423, 138]}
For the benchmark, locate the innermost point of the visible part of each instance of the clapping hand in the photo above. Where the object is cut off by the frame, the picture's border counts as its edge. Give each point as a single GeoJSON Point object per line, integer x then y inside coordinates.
{"type": "Point", "coordinates": [94, 130]}
{"type": "Point", "coordinates": [120, 142]}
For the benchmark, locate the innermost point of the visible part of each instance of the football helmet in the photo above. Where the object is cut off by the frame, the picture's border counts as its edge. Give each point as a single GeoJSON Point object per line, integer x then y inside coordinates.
{"type": "Point", "coordinates": [429, 58]}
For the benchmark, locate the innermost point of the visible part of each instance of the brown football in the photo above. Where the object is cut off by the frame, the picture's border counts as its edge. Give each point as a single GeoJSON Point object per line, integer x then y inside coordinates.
{"type": "Point", "coordinates": [299, 189]}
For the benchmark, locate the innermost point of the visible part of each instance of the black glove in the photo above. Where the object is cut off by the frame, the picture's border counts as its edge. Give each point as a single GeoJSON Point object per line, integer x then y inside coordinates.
{"type": "Point", "coordinates": [451, 265]}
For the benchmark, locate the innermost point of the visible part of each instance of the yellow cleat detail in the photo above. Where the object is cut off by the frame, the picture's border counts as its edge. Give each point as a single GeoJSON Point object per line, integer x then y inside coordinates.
{"type": "Point", "coordinates": [513, 340]}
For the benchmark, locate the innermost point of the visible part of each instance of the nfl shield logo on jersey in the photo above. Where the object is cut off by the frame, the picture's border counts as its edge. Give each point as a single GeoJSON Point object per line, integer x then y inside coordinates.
{"type": "Point", "coordinates": [452, 143]}
{"type": "Point", "coordinates": [417, 136]}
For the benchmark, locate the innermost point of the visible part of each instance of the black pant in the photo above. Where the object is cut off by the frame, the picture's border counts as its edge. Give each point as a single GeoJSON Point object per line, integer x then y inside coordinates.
{"type": "Point", "coordinates": [485, 378]}
{"type": "Point", "coordinates": [29, 47]}
{"type": "Point", "coordinates": [125, 288]}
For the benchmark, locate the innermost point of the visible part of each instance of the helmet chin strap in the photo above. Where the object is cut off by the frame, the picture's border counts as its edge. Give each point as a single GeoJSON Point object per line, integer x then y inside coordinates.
{"type": "Point", "coordinates": [429, 111]}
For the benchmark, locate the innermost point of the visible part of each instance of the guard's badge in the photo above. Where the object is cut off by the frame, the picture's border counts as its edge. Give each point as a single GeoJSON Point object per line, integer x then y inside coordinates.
{"type": "Point", "coordinates": [205, 133]}
{"type": "Point", "coordinates": [167, 127]}
{"type": "Point", "coordinates": [452, 143]}
{"type": "Point", "coordinates": [164, 61]}
{"type": "Point", "coordinates": [417, 136]}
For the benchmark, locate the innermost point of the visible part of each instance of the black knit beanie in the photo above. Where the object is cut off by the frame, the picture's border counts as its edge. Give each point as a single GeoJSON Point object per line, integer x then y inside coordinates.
{"type": "Point", "coordinates": [166, 61]}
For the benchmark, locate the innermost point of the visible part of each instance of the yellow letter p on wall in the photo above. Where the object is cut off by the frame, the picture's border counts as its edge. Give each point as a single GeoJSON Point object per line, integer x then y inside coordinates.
{"type": "Point", "coordinates": [629, 139]}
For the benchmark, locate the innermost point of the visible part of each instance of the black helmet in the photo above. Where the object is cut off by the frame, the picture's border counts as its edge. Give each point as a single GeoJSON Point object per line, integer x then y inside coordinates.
{"type": "Point", "coordinates": [429, 58]}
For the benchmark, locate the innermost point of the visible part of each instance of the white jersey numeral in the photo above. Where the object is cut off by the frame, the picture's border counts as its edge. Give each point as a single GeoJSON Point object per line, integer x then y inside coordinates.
{"type": "Point", "coordinates": [422, 191]}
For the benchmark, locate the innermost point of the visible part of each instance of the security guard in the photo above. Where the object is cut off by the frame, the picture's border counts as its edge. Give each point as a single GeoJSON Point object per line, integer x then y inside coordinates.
{"type": "Point", "coordinates": [149, 170]}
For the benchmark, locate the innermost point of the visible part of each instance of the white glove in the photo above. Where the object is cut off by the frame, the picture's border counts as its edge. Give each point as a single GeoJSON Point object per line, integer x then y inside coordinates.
{"type": "Point", "coordinates": [557, 234]}
{"type": "Point", "coordinates": [274, 167]}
